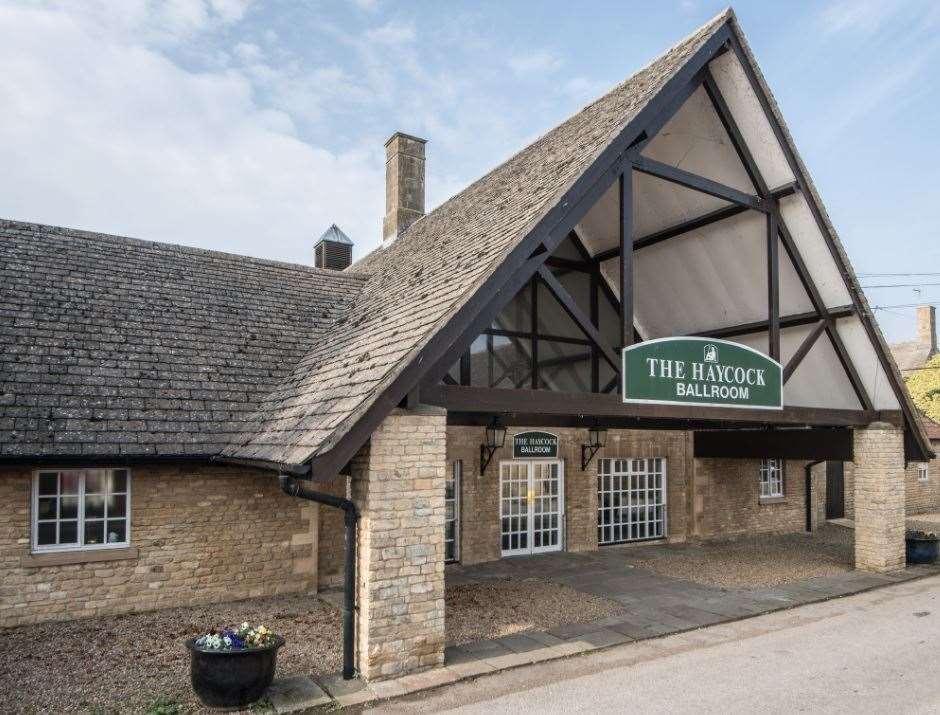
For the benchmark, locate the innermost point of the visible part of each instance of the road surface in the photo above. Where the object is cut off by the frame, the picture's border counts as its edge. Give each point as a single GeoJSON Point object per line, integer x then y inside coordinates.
{"type": "Point", "coordinates": [875, 652]}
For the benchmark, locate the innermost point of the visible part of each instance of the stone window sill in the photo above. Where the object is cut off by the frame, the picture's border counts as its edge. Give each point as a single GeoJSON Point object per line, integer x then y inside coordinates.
{"type": "Point", "coordinates": [772, 500]}
{"type": "Point", "coordinates": [66, 558]}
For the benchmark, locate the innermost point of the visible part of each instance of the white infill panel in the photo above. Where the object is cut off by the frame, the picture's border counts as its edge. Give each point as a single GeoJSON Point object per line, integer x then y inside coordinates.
{"type": "Point", "coordinates": [863, 356]}
{"type": "Point", "coordinates": [819, 380]}
{"type": "Point", "coordinates": [815, 251]}
{"type": "Point", "coordinates": [751, 120]}
{"type": "Point", "coordinates": [659, 204]}
{"type": "Point", "coordinates": [696, 141]}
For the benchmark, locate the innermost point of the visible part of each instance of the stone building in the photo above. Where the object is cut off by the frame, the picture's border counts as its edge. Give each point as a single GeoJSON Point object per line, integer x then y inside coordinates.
{"type": "Point", "coordinates": [642, 326]}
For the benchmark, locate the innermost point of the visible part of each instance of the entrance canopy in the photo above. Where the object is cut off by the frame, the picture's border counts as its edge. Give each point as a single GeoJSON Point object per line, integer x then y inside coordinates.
{"type": "Point", "coordinates": [675, 205]}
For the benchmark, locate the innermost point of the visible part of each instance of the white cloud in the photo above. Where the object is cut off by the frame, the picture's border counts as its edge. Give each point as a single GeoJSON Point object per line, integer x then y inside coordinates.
{"type": "Point", "coordinates": [535, 62]}
{"type": "Point", "coordinates": [864, 16]}
{"type": "Point", "coordinates": [102, 133]}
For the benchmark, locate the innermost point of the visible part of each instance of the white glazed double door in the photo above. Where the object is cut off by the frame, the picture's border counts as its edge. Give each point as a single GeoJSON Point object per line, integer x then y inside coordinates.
{"type": "Point", "coordinates": [531, 506]}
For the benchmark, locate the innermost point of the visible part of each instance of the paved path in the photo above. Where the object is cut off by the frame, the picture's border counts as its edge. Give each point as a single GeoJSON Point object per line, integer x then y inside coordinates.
{"type": "Point", "coordinates": [871, 652]}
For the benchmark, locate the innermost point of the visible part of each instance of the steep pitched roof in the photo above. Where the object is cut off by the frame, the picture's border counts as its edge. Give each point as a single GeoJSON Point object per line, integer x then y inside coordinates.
{"type": "Point", "coordinates": [421, 279]}
{"type": "Point", "coordinates": [118, 346]}
{"type": "Point", "coordinates": [335, 234]}
{"type": "Point", "coordinates": [912, 354]}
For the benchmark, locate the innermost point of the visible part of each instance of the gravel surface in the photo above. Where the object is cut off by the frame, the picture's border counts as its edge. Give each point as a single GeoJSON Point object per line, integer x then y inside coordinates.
{"type": "Point", "coordinates": [126, 663]}
{"type": "Point", "coordinates": [756, 561]}
{"type": "Point", "coordinates": [501, 607]}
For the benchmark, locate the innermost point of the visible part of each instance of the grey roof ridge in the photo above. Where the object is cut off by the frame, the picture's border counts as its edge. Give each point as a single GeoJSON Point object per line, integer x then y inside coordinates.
{"type": "Point", "coordinates": [181, 248]}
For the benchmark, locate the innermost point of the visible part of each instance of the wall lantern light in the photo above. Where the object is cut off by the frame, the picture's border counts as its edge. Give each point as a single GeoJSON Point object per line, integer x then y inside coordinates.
{"type": "Point", "coordinates": [495, 438]}
{"type": "Point", "coordinates": [597, 438]}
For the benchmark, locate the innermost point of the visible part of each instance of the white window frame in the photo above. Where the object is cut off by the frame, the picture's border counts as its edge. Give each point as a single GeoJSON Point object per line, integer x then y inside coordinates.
{"type": "Point", "coordinates": [80, 519]}
{"type": "Point", "coordinates": [923, 472]}
{"type": "Point", "coordinates": [622, 473]}
{"type": "Point", "coordinates": [456, 474]}
{"type": "Point", "coordinates": [771, 479]}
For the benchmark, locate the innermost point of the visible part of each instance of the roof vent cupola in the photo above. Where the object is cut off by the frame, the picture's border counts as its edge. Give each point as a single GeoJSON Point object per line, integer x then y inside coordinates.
{"type": "Point", "coordinates": [404, 184]}
{"type": "Point", "coordinates": [333, 250]}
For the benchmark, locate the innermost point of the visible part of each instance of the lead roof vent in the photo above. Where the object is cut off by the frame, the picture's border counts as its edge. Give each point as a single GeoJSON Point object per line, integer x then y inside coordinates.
{"type": "Point", "coordinates": [333, 250]}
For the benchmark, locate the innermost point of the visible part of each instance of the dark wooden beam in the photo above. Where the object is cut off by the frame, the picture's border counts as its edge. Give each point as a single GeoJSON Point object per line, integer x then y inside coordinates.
{"type": "Point", "coordinates": [773, 287]}
{"type": "Point", "coordinates": [804, 348]}
{"type": "Point", "coordinates": [626, 259]}
{"type": "Point", "coordinates": [788, 321]}
{"type": "Point", "coordinates": [687, 226]}
{"type": "Point", "coordinates": [547, 403]}
{"type": "Point", "coordinates": [698, 183]}
{"type": "Point", "coordinates": [923, 447]}
{"type": "Point", "coordinates": [578, 316]}
{"type": "Point", "coordinates": [849, 367]}
{"type": "Point", "coordinates": [822, 443]}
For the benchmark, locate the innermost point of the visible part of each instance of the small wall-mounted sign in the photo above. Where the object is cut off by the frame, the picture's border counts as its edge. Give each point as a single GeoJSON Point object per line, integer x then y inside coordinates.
{"type": "Point", "coordinates": [701, 371]}
{"type": "Point", "coordinates": [535, 445]}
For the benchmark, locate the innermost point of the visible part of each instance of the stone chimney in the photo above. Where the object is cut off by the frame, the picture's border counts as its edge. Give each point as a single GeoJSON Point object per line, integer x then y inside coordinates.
{"type": "Point", "coordinates": [404, 184]}
{"type": "Point", "coordinates": [927, 327]}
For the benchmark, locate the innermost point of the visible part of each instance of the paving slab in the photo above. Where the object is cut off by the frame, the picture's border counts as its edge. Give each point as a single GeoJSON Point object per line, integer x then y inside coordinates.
{"type": "Point", "coordinates": [520, 643]}
{"type": "Point", "coordinates": [295, 694]}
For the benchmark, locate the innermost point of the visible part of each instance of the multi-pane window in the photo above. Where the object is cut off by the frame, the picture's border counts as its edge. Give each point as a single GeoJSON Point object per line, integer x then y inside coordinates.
{"type": "Point", "coordinates": [631, 500]}
{"type": "Point", "coordinates": [81, 509]}
{"type": "Point", "coordinates": [922, 472]}
{"type": "Point", "coordinates": [771, 478]}
{"type": "Point", "coordinates": [452, 509]}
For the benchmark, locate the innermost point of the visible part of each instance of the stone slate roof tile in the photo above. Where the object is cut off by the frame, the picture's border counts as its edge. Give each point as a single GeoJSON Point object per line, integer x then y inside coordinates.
{"type": "Point", "coordinates": [118, 346]}
{"type": "Point", "coordinates": [420, 280]}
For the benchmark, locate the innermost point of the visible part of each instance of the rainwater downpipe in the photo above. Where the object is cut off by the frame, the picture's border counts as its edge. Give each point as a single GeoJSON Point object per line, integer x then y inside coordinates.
{"type": "Point", "coordinates": [292, 487]}
{"type": "Point", "coordinates": [809, 492]}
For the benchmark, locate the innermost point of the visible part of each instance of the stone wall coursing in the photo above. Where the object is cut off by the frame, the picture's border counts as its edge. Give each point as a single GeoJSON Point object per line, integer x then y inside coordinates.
{"type": "Point", "coordinates": [879, 486]}
{"type": "Point", "coordinates": [398, 486]}
{"type": "Point", "coordinates": [331, 536]}
{"type": "Point", "coordinates": [731, 491]}
{"type": "Point", "coordinates": [204, 534]}
{"type": "Point", "coordinates": [923, 497]}
{"type": "Point", "coordinates": [480, 523]}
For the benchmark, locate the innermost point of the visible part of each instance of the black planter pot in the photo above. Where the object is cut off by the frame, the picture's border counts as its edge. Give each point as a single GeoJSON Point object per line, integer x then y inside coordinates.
{"type": "Point", "coordinates": [922, 551]}
{"type": "Point", "coordinates": [232, 678]}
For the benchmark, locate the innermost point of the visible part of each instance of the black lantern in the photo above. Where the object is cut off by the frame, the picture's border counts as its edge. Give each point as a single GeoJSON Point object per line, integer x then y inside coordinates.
{"type": "Point", "coordinates": [597, 438]}
{"type": "Point", "coordinates": [495, 438]}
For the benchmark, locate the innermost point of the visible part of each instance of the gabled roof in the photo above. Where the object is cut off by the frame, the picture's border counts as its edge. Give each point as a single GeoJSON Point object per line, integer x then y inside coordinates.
{"type": "Point", "coordinates": [115, 346]}
{"type": "Point", "coordinates": [434, 267]}
{"type": "Point", "coordinates": [912, 354]}
{"type": "Point", "coordinates": [334, 234]}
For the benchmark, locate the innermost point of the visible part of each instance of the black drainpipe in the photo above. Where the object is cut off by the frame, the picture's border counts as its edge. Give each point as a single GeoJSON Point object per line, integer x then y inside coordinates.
{"type": "Point", "coordinates": [292, 487]}
{"type": "Point", "coordinates": [809, 492]}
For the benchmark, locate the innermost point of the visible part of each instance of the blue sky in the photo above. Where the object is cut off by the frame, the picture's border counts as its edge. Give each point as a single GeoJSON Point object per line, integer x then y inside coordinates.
{"type": "Point", "coordinates": [250, 126]}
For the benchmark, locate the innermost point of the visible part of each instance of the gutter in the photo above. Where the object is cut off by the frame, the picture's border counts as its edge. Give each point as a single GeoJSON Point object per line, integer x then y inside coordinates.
{"type": "Point", "coordinates": [291, 487]}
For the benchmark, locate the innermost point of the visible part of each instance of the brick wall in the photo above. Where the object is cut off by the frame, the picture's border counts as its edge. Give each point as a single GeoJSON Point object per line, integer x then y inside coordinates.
{"type": "Point", "coordinates": [203, 534]}
{"type": "Point", "coordinates": [731, 489]}
{"type": "Point", "coordinates": [922, 497]}
{"type": "Point", "coordinates": [331, 540]}
{"type": "Point", "coordinates": [480, 523]}
{"type": "Point", "coordinates": [879, 486]}
{"type": "Point", "coordinates": [398, 487]}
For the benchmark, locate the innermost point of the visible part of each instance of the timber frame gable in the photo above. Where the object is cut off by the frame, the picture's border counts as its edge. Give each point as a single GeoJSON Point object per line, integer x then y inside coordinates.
{"type": "Point", "coordinates": [420, 377]}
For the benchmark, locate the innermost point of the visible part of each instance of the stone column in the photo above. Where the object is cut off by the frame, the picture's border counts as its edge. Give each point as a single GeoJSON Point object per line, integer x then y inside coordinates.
{"type": "Point", "coordinates": [398, 486]}
{"type": "Point", "coordinates": [879, 497]}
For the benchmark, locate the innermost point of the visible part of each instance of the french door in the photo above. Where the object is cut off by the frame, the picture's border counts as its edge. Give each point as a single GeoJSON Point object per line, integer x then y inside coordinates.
{"type": "Point", "coordinates": [531, 506]}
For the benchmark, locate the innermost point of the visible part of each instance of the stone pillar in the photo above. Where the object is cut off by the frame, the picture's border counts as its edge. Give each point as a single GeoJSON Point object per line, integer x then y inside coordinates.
{"type": "Point", "coordinates": [879, 497]}
{"type": "Point", "coordinates": [398, 486]}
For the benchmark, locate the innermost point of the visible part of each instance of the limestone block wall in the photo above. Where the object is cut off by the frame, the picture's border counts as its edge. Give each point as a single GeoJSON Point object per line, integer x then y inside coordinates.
{"type": "Point", "coordinates": [398, 487]}
{"type": "Point", "coordinates": [331, 551]}
{"type": "Point", "coordinates": [480, 522]}
{"type": "Point", "coordinates": [730, 489]}
{"type": "Point", "coordinates": [199, 534]}
{"type": "Point", "coordinates": [879, 486]}
{"type": "Point", "coordinates": [922, 497]}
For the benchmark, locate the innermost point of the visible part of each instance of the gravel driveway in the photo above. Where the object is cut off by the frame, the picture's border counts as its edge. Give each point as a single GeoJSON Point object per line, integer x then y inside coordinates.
{"type": "Point", "coordinates": [127, 663]}
{"type": "Point", "coordinates": [752, 561]}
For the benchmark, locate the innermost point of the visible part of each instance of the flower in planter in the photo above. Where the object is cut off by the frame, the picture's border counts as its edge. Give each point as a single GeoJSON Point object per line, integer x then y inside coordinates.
{"type": "Point", "coordinates": [236, 639]}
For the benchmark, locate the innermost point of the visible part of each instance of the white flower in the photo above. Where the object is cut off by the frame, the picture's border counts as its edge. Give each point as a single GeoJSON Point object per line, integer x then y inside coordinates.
{"type": "Point", "coordinates": [245, 625]}
{"type": "Point", "coordinates": [228, 642]}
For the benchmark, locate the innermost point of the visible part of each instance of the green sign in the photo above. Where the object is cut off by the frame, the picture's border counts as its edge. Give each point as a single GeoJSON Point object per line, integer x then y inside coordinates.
{"type": "Point", "coordinates": [701, 371]}
{"type": "Point", "coordinates": [534, 445]}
